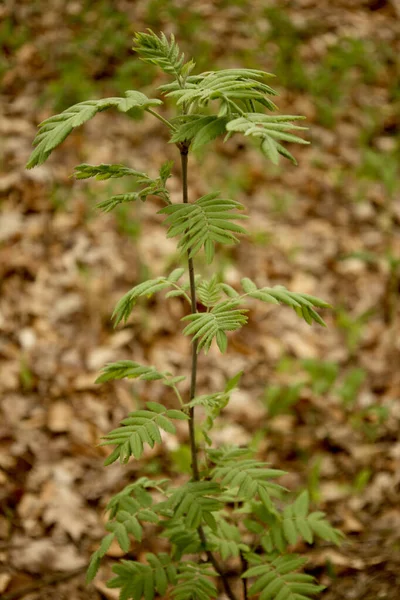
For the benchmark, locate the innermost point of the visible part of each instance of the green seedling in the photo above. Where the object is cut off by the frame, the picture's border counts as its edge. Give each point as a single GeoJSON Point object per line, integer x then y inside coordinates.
{"type": "Point", "coordinates": [383, 167]}
{"type": "Point", "coordinates": [353, 328]}
{"type": "Point", "coordinates": [230, 506]}
{"type": "Point", "coordinates": [314, 479]}
{"type": "Point", "coordinates": [369, 420]}
{"type": "Point", "coordinates": [350, 386]}
{"type": "Point", "coordinates": [280, 398]}
{"type": "Point", "coordinates": [362, 479]}
{"type": "Point", "coordinates": [322, 374]}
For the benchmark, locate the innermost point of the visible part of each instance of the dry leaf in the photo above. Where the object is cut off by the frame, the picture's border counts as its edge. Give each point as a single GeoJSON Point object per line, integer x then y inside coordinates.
{"type": "Point", "coordinates": [338, 560]}
{"type": "Point", "coordinates": [5, 579]}
{"type": "Point", "coordinates": [59, 417]}
{"type": "Point", "coordinates": [65, 507]}
{"type": "Point", "coordinates": [40, 556]}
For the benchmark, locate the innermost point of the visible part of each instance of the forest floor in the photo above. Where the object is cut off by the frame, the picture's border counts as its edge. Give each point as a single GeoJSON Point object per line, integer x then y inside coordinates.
{"type": "Point", "coordinates": [323, 404]}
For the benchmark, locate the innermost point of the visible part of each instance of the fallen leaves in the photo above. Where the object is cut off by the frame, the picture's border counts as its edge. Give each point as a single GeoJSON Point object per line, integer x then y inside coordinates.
{"type": "Point", "coordinates": [59, 417]}
{"type": "Point", "coordinates": [64, 507]}
{"type": "Point", "coordinates": [41, 556]}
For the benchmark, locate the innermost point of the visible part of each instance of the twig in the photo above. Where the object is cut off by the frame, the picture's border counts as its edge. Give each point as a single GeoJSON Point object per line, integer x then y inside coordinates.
{"type": "Point", "coordinates": [244, 581]}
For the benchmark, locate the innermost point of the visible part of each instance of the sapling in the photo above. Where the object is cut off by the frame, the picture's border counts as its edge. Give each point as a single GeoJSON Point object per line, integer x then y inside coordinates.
{"type": "Point", "coordinates": [231, 512]}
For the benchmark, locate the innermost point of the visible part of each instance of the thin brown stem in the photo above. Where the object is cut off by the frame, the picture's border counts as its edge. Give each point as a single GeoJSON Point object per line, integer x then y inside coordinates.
{"type": "Point", "coordinates": [244, 581]}
{"type": "Point", "coordinates": [195, 467]}
{"type": "Point", "coordinates": [184, 149]}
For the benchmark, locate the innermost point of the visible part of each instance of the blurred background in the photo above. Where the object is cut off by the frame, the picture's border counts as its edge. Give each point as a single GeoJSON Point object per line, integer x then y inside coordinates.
{"type": "Point", "coordinates": [322, 404]}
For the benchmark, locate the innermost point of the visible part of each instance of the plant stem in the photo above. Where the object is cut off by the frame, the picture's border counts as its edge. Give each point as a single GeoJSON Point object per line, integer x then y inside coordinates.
{"type": "Point", "coordinates": [244, 581]}
{"type": "Point", "coordinates": [184, 150]}
{"type": "Point", "coordinates": [195, 466]}
{"type": "Point", "coordinates": [160, 118]}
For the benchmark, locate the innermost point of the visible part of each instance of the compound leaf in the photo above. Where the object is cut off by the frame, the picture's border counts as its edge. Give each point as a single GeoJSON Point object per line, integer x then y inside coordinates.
{"type": "Point", "coordinates": [160, 51]}
{"type": "Point", "coordinates": [139, 428]}
{"type": "Point", "coordinates": [270, 129]}
{"type": "Point", "coordinates": [194, 582]}
{"type": "Point", "coordinates": [194, 502]}
{"type": "Point", "coordinates": [204, 223]}
{"type": "Point", "coordinates": [138, 580]}
{"type": "Point", "coordinates": [53, 131]}
{"type": "Point", "coordinates": [224, 316]}
{"type": "Point", "coordinates": [125, 305]}
{"type": "Point", "coordinates": [302, 303]}
{"type": "Point", "coordinates": [279, 579]}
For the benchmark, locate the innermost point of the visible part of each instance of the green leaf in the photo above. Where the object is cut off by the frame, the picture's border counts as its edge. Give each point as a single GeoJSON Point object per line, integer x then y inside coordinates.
{"type": "Point", "coordinates": [136, 445]}
{"type": "Point", "coordinates": [112, 457]}
{"type": "Point", "coordinates": [270, 149]}
{"type": "Point", "coordinates": [191, 127]}
{"type": "Point", "coordinates": [138, 580]}
{"type": "Point", "coordinates": [225, 539]}
{"type": "Point", "coordinates": [222, 340]}
{"type": "Point", "coordinates": [194, 502]}
{"type": "Point", "coordinates": [151, 190]}
{"type": "Point", "coordinates": [135, 99]}
{"type": "Point", "coordinates": [290, 531]}
{"type": "Point", "coordinates": [232, 383]}
{"type": "Point", "coordinates": [175, 294]}
{"type": "Point", "coordinates": [213, 404]}
{"type": "Point", "coordinates": [204, 223]}
{"type": "Point", "coordinates": [297, 522]}
{"type": "Point", "coordinates": [171, 381]}
{"type": "Point", "coordinates": [141, 427]}
{"type": "Point", "coordinates": [229, 87]}
{"type": "Point", "coordinates": [177, 414]}
{"type": "Point", "coordinates": [301, 303]}
{"type": "Point", "coordinates": [125, 305]}
{"type": "Point", "coordinates": [269, 129]}
{"type": "Point", "coordinates": [160, 51]}
{"type": "Point", "coordinates": [54, 130]}
{"type": "Point", "coordinates": [105, 544]}
{"type": "Point", "coordinates": [324, 529]}
{"type": "Point", "coordinates": [209, 132]}
{"type": "Point", "coordinates": [194, 583]}
{"type": "Point", "coordinates": [183, 540]}
{"type": "Point", "coordinates": [209, 292]}
{"type": "Point", "coordinates": [130, 370]}
{"type": "Point", "coordinates": [304, 529]}
{"type": "Point", "coordinates": [127, 509]}
{"type": "Point", "coordinates": [166, 170]}
{"type": "Point", "coordinates": [153, 187]}
{"type": "Point", "coordinates": [250, 476]}
{"type": "Point", "coordinates": [122, 537]}
{"type": "Point", "coordinates": [156, 407]}
{"type": "Point", "coordinates": [278, 580]}
{"type": "Point", "coordinates": [248, 285]}
{"type": "Point", "coordinates": [109, 204]}
{"type": "Point", "coordinates": [105, 171]}
{"type": "Point", "coordinates": [94, 566]}
{"type": "Point", "coordinates": [229, 290]}
{"type": "Point", "coordinates": [301, 504]}
{"type": "Point", "coordinates": [223, 317]}
{"type": "Point", "coordinates": [176, 275]}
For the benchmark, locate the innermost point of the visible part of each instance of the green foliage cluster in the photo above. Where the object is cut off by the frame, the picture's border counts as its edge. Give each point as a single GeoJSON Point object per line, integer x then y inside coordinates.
{"type": "Point", "coordinates": [232, 506]}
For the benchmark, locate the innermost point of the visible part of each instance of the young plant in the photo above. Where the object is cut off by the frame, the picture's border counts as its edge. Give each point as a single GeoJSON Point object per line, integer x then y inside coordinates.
{"type": "Point", "coordinates": [231, 508]}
